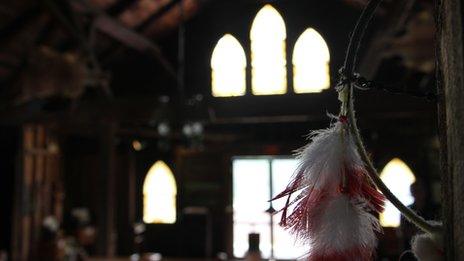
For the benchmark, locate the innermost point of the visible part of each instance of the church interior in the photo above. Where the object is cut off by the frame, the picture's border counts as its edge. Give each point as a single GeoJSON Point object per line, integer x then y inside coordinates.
{"type": "Point", "coordinates": [161, 129]}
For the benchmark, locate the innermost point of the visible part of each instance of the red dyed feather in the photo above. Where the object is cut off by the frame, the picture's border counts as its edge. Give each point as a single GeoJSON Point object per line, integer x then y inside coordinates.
{"type": "Point", "coordinates": [331, 213]}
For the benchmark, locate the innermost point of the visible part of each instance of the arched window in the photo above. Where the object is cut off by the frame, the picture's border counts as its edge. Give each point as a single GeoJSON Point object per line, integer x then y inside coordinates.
{"type": "Point", "coordinates": [268, 55]}
{"type": "Point", "coordinates": [310, 63]}
{"type": "Point", "coordinates": [159, 195]}
{"type": "Point", "coordinates": [398, 177]}
{"type": "Point", "coordinates": [228, 64]}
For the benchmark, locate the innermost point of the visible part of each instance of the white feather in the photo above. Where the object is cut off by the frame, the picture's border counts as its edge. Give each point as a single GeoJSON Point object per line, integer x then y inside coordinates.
{"type": "Point", "coordinates": [345, 225]}
{"type": "Point", "coordinates": [321, 160]}
{"type": "Point", "coordinates": [425, 248]}
{"type": "Point", "coordinates": [330, 221]}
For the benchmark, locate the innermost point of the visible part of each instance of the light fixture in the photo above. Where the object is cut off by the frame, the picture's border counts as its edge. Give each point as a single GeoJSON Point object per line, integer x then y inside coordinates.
{"type": "Point", "coordinates": [137, 145]}
{"type": "Point", "coordinates": [163, 129]}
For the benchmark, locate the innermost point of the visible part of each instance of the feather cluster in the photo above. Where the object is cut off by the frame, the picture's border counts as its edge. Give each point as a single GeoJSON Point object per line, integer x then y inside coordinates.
{"type": "Point", "coordinates": [426, 249]}
{"type": "Point", "coordinates": [332, 211]}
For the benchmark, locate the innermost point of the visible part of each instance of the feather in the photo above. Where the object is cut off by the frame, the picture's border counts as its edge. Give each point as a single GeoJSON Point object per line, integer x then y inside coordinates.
{"type": "Point", "coordinates": [331, 213]}
{"type": "Point", "coordinates": [426, 249]}
{"type": "Point", "coordinates": [345, 231]}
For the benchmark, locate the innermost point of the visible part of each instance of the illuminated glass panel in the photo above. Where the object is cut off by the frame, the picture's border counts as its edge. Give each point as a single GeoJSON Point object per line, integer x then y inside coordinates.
{"type": "Point", "coordinates": [251, 180]}
{"type": "Point", "coordinates": [159, 195]}
{"type": "Point", "coordinates": [398, 177]}
{"type": "Point", "coordinates": [285, 246]}
{"type": "Point", "coordinates": [311, 59]}
{"type": "Point", "coordinates": [228, 64]}
{"type": "Point", "coordinates": [268, 55]}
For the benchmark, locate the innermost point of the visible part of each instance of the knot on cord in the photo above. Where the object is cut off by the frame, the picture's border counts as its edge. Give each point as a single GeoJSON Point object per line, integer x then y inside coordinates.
{"type": "Point", "coordinates": [355, 79]}
{"type": "Point", "coordinates": [361, 83]}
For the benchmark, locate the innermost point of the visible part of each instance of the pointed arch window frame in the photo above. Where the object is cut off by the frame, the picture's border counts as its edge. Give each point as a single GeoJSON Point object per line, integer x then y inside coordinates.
{"type": "Point", "coordinates": [311, 63]}
{"type": "Point", "coordinates": [268, 51]}
{"type": "Point", "coordinates": [313, 83]}
{"type": "Point", "coordinates": [228, 68]}
{"type": "Point", "coordinates": [391, 217]}
{"type": "Point", "coordinates": [159, 195]}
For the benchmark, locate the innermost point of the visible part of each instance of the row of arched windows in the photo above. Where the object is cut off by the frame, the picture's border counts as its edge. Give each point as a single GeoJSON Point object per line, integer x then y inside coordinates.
{"type": "Point", "coordinates": [160, 191]}
{"type": "Point", "coordinates": [310, 59]}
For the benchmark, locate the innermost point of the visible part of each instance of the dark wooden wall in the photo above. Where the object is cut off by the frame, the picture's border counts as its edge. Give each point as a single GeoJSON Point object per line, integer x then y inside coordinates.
{"type": "Point", "coordinates": [37, 187]}
{"type": "Point", "coordinates": [9, 147]}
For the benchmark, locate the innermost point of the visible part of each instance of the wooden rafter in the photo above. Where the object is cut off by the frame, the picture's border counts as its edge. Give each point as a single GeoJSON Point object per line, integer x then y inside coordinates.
{"type": "Point", "coordinates": [119, 7]}
{"type": "Point", "coordinates": [140, 12]}
{"type": "Point", "coordinates": [155, 16]}
{"type": "Point", "coordinates": [127, 36]}
{"type": "Point", "coordinates": [18, 23]}
{"type": "Point", "coordinates": [173, 17]}
{"type": "Point", "coordinates": [132, 39]}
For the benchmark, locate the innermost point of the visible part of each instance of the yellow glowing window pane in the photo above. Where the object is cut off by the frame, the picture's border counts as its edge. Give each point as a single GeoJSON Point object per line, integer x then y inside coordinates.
{"type": "Point", "coordinates": [398, 177]}
{"type": "Point", "coordinates": [268, 55]}
{"type": "Point", "coordinates": [228, 64]}
{"type": "Point", "coordinates": [159, 195]}
{"type": "Point", "coordinates": [310, 63]}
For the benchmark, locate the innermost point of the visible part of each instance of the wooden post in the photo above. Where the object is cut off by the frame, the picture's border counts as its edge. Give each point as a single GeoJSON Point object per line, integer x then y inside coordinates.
{"type": "Point", "coordinates": [132, 180]}
{"type": "Point", "coordinates": [451, 86]}
{"type": "Point", "coordinates": [32, 191]}
{"type": "Point", "coordinates": [22, 205]}
{"type": "Point", "coordinates": [107, 214]}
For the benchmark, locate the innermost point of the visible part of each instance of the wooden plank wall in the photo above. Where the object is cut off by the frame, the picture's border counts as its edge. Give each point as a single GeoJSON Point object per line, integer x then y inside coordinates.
{"type": "Point", "coordinates": [38, 189]}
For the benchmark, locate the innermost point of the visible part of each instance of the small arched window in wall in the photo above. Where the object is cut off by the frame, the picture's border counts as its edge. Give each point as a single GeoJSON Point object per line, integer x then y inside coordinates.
{"type": "Point", "coordinates": [159, 195]}
{"type": "Point", "coordinates": [268, 53]}
{"type": "Point", "coordinates": [311, 59]}
{"type": "Point", "coordinates": [228, 65]}
{"type": "Point", "coordinates": [398, 177]}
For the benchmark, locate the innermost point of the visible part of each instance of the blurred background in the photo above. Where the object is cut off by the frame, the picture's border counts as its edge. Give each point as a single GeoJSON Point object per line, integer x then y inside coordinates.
{"type": "Point", "coordinates": [160, 129]}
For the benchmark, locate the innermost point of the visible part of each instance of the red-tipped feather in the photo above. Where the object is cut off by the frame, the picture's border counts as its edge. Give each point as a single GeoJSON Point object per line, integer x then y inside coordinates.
{"type": "Point", "coordinates": [331, 211]}
{"type": "Point", "coordinates": [358, 185]}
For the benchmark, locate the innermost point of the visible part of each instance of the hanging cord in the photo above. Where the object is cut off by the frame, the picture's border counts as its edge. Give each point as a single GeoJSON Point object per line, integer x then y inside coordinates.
{"type": "Point", "coordinates": [181, 54]}
{"type": "Point", "coordinates": [362, 83]}
{"type": "Point", "coordinates": [346, 91]}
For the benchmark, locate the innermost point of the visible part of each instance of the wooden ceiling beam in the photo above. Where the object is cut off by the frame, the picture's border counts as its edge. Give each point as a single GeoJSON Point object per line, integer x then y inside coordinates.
{"type": "Point", "coordinates": [173, 17]}
{"type": "Point", "coordinates": [133, 39]}
{"type": "Point", "coordinates": [127, 36]}
{"type": "Point", "coordinates": [18, 23]}
{"type": "Point", "coordinates": [156, 15]}
{"type": "Point", "coordinates": [135, 110]}
{"type": "Point", "coordinates": [119, 7]}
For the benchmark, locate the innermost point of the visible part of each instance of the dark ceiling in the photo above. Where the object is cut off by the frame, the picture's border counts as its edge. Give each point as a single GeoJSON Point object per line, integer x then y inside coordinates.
{"type": "Point", "coordinates": [132, 50]}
